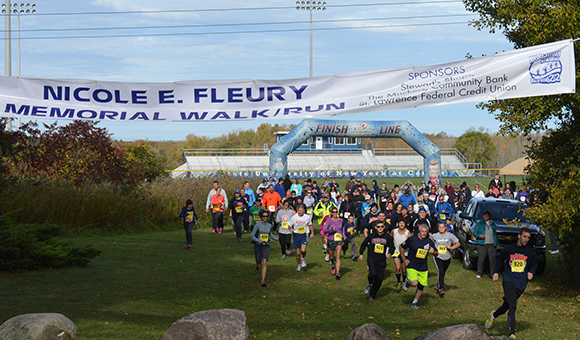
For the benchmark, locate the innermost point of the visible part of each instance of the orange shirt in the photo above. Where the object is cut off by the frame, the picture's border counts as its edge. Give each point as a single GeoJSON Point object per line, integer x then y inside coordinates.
{"type": "Point", "coordinates": [271, 201]}
{"type": "Point", "coordinates": [217, 203]}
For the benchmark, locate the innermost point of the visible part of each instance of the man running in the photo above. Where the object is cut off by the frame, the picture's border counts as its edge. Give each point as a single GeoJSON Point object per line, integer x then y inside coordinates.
{"type": "Point", "coordinates": [300, 225]}
{"type": "Point", "coordinates": [418, 245]}
{"type": "Point", "coordinates": [518, 263]}
{"type": "Point", "coordinates": [261, 236]}
{"type": "Point", "coordinates": [381, 247]}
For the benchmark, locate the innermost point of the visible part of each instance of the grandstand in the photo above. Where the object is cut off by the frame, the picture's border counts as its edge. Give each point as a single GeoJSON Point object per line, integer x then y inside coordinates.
{"type": "Point", "coordinates": [197, 162]}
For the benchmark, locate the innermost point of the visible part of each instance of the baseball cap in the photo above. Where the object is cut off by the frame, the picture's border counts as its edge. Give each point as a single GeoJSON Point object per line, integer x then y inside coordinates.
{"type": "Point", "coordinates": [422, 209]}
{"type": "Point", "coordinates": [367, 197]}
{"type": "Point", "coordinates": [237, 191]}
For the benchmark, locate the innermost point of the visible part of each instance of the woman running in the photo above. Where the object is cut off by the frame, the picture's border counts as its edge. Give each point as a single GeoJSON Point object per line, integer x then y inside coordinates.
{"type": "Point", "coordinates": [334, 233]}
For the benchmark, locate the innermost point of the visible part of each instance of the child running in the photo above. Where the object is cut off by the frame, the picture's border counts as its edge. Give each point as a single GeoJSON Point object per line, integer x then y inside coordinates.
{"type": "Point", "coordinates": [334, 233]}
{"type": "Point", "coordinates": [349, 233]}
{"type": "Point", "coordinates": [300, 225]}
{"type": "Point", "coordinates": [445, 242]}
{"type": "Point", "coordinates": [400, 235]}
{"type": "Point", "coordinates": [381, 247]}
{"type": "Point", "coordinates": [261, 236]}
{"type": "Point", "coordinates": [189, 218]}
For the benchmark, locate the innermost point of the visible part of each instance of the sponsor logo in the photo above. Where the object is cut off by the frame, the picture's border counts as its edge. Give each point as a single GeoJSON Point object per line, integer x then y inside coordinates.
{"type": "Point", "coordinates": [545, 68]}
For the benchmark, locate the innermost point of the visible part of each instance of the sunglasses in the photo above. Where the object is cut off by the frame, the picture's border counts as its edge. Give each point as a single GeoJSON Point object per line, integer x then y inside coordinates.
{"type": "Point", "coordinates": [380, 226]}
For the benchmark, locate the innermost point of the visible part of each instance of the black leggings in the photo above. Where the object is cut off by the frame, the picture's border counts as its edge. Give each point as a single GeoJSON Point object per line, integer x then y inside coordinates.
{"type": "Point", "coordinates": [376, 275]}
{"type": "Point", "coordinates": [285, 242]}
{"type": "Point", "coordinates": [238, 223]}
{"type": "Point", "coordinates": [217, 220]}
{"type": "Point", "coordinates": [442, 266]}
{"type": "Point", "coordinates": [510, 304]}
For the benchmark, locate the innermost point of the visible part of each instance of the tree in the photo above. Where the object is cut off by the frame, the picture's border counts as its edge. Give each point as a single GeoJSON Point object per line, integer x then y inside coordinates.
{"type": "Point", "coordinates": [477, 147]}
{"type": "Point", "coordinates": [556, 157]}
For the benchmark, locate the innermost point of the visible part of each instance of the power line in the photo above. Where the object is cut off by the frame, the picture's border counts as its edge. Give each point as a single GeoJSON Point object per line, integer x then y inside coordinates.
{"type": "Point", "coordinates": [242, 24]}
{"type": "Point", "coordinates": [248, 8]}
{"type": "Point", "coordinates": [240, 32]}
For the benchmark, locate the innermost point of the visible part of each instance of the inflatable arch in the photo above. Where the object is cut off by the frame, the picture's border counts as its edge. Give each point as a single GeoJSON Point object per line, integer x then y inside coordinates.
{"type": "Point", "coordinates": [342, 128]}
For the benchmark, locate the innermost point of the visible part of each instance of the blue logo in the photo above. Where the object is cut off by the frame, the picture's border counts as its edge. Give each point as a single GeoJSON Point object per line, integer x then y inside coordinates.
{"type": "Point", "coordinates": [545, 68]}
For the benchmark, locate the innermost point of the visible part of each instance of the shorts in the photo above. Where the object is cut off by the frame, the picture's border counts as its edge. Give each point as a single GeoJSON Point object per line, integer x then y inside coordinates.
{"type": "Point", "coordinates": [413, 275]}
{"type": "Point", "coordinates": [299, 240]}
{"type": "Point", "coordinates": [261, 252]}
{"type": "Point", "coordinates": [333, 244]}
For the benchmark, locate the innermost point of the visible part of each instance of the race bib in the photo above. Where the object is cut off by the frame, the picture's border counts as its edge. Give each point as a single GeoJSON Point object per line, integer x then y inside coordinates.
{"type": "Point", "coordinates": [522, 198]}
{"type": "Point", "coordinates": [239, 209]}
{"type": "Point", "coordinates": [350, 230]}
{"type": "Point", "coordinates": [284, 225]}
{"type": "Point", "coordinates": [216, 207]}
{"type": "Point", "coordinates": [301, 230]}
{"type": "Point", "coordinates": [518, 266]}
{"type": "Point", "coordinates": [383, 199]}
{"type": "Point", "coordinates": [395, 254]}
{"type": "Point", "coordinates": [272, 208]}
{"type": "Point", "coordinates": [442, 249]}
{"type": "Point", "coordinates": [256, 217]}
{"type": "Point", "coordinates": [442, 216]}
{"type": "Point", "coordinates": [337, 237]}
{"type": "Point", "coordinates": [264, 237]}
{"type": "Point", "coordinates": [346, 214]}
{"type": "Point", "coordinates": [388, 220]}
{"type": "Point", "coordinates": [309, 211]}
{"type": "Point", "coordinates": [379, 248]}
{"type": "Point", "coordinates": [421, 253]}
{"type": "Point", "coordinates": [189, 217]}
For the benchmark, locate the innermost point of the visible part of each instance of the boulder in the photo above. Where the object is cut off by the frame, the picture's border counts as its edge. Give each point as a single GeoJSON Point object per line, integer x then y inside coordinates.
{"type": "Point", "coordinates": [368, 331]}
{"type": "Point", "coordinates": [457, 332]}
{"type": "Point", "coordinates": [503, 337]}
{"type": "Point", "coordinates": [49, 326]}
{"type": "Point", "coordinates": [223, 324]}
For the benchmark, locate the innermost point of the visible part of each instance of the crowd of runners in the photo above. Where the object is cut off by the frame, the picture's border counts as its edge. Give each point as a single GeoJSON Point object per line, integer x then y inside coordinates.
{"type": "Point", "coordinates": [405, 224]}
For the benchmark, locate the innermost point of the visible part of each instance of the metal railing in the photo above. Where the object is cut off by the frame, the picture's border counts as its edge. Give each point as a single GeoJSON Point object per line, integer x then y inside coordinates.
{"type": "Point", "coordinates": [225, 152]}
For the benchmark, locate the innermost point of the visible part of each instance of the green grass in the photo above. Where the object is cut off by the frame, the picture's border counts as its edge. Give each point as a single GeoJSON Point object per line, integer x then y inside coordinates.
{"type": "Point", "coordinates": [142, 283]}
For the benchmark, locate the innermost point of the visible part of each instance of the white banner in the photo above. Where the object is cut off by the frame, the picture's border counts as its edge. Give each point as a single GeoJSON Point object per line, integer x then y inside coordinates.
{"type": "Point", "coordinates": [533, 71]}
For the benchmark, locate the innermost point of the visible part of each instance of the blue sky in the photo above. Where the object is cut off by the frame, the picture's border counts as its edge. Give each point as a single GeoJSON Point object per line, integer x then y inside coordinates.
{"type": "Point", "coordinates": [131, 42]}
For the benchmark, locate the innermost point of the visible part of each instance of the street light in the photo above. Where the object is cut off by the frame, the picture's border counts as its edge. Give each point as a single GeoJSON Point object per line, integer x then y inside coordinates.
{"type": "Point", "coordinates": [20, 8]}
{"type": "Point", "coordinates": [311, 6]}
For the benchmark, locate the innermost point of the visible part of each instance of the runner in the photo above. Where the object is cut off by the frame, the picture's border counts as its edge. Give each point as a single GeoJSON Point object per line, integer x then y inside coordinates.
{"type": "Point", "coordinates": [300, 225]}
{"type": "Point", "coordinates": [261, 236]}
{"type": "Point", "coordinates": [419, 246]}
{"type": "Point", "coordinates": [518, 263]}
{"type": "Point", "coordinates": [349, 228]}
{"type": "Point", "coordinates": [217, 211]}
{"type": "Point", "coordinates": [271, 200]}
{"type": "Point", "coordinates": [284, 234]}
{"type": "Point", "coordinates": [445, 242]}
{"type": "Point", "coordinates": [321, 210]}
{"type": "Point", "coordinates": [255, 211]}
{"type": "Point", "coordinates": [238, 208]}
{"type": "Point", "coordinates": [189, 217]}
{"type": "Point", "coordinates": [381, 247]}
{"type": "Point", "coordinates": [400, 235]}
{"type": "Point", "coordinates": [334, 231]}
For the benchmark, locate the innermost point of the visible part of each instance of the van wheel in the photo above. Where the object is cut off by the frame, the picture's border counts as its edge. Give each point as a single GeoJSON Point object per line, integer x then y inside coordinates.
{"type": "Point", "coordinates": [468, 260]}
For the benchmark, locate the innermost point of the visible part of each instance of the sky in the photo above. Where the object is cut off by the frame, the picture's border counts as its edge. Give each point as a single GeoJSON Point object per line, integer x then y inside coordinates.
{"type": "Point", "coordinates": [154, 41]}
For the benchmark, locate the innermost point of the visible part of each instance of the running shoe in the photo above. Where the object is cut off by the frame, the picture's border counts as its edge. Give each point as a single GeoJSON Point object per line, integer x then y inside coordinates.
{"type": "Point", "coordinates": [239, 240]}
{"type": "Point", "coordinates": [405, 286]}
{"type": "Point", "coordinates": [213, 231]}
{"type": "Point", "coordinates": [489, 323]}
{"type": "Point", "coordinates": [354, 258]}
{"type": "Point", "coordinates": [478, 276]}
{"type": "Point", "coordinates": [220, 231]}
{"type": "Point", "coordinates": [283, 256]}
{"type": "Point", "coordinates": [263, 283]}
{"type": "Point", "coordinates": [333, 270]}
{"type": "Point", "coordinates": [337, 276]}
{"type": "Point", "coordinates": [288, 252]}
{"type": "Point", "coordinates": [441, 291]}
{"type": "Point", "coordinates": [371, 298]}
{"type": "Point", "coordinates": [414, 305]}
{"type": "Point", "coordinates": [189, 246]}
{"type": "Point", "coordinates": [303, 264]}
{"type": "Point", "coordinates": [327, 257]}
{"type": "Point", "coordinates": [399, 287]}
{"type": "Point", "coordinates": [513, 336]}
{"type": "Point", "coordinates": [367, 289]}
{"type": "Point", "coordinates": [299, 268]}
{"type": "Point", "coordinates": [257, 268]}
{"type": "Point", "coordinates": [554, 252]}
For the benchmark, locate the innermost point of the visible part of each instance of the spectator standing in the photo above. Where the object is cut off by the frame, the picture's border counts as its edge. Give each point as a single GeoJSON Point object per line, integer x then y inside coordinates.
{"type": "Point", "coordinates": [485, 234]}
{"type": "Point", "coordinates": [496, 182]}
{"type": "Point", "coordinates": [477, 192]}
{"type": "Point", "coordinates": [296, 187]}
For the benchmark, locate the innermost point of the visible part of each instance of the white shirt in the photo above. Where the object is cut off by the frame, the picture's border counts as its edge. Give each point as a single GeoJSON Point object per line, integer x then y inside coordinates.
{"type": "Point", "coordinates": [300, 221]}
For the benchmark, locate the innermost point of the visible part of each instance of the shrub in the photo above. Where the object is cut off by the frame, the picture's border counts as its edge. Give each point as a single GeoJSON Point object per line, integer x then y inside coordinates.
{"type": "Point", "coordinates": [32, 246]}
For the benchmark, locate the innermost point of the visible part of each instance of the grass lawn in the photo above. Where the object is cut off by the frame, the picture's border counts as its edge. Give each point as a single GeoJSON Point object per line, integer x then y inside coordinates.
{"type": "Point", "coordinates": [142, 283]}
